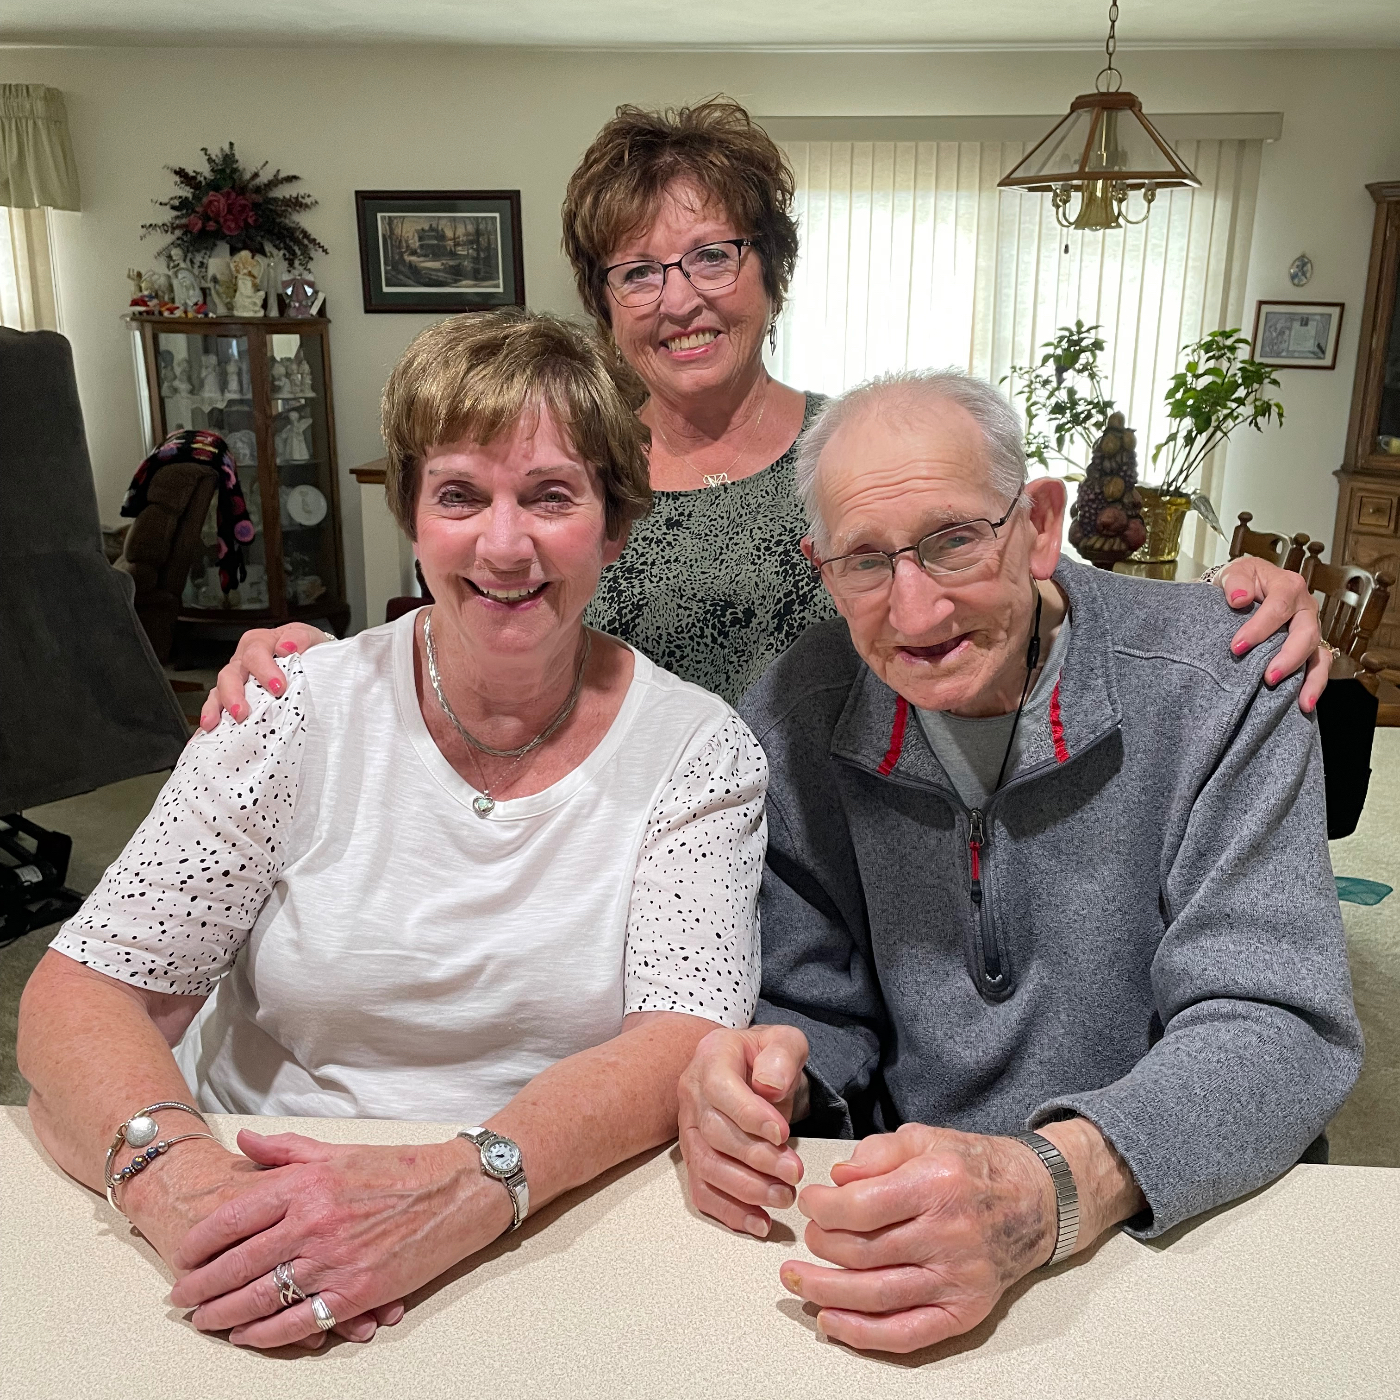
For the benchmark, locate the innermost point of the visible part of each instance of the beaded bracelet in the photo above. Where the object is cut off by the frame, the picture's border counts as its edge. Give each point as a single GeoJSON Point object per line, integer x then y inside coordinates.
{"type": "Point", "coordinates": [138, 1132]}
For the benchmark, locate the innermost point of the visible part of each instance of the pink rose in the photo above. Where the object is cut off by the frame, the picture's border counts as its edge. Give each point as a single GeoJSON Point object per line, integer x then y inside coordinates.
{"type": "Point", "coordinates": [194, 223]}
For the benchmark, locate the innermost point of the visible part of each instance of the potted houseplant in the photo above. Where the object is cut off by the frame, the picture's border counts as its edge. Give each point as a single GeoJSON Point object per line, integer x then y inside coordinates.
{"type": "Point", "coordinates": [1064, 399]}
{"type": "Point", "coordinates": [1219, 389]}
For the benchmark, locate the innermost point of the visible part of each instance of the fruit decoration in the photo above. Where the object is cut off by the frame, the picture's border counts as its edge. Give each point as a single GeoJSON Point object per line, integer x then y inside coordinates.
{"type": "Point", "coordinates": [1107, 512]}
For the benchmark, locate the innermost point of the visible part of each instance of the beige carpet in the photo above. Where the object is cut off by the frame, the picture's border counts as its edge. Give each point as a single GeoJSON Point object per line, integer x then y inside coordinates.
{"type": "Point", "coordinates": [1365, 1133]}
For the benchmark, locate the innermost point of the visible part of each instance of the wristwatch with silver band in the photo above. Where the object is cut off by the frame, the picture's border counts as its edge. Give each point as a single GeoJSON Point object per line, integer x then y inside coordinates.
{"type": "Point", "coordinates": [502, 1158]}
{"type": "Point", "coordinates": [1066, 1194]}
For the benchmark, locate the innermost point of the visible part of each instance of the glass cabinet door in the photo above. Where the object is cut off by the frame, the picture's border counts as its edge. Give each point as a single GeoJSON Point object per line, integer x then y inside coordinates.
{"type": "Point", "coordinates": [206, 381]}
{"type": "Point", "coordinates": [1388, 426]}
{"type": "Point", "coordinates": [301, 438]}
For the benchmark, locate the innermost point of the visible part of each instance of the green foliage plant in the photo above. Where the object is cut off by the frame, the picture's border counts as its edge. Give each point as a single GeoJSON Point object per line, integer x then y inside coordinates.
{"type": "Point", "coordinates": [1219, 390]}
{"type": "Point", "coordinates": [1064, 398]}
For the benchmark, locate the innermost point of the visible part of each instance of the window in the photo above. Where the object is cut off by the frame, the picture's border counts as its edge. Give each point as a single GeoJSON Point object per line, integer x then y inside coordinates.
{"type": "Point", "coordinates": [912, 258]}
{"type": "Point", "coordinates": [28, 301]}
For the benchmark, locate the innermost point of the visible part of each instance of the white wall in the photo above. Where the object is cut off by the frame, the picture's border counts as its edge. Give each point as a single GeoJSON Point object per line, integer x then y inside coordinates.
{"type": "Point", "coordinates": [445, 118]}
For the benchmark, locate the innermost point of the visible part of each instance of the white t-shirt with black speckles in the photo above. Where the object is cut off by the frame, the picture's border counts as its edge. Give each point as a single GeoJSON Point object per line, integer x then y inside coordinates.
{"type": "Point", "coordinates": [376, 949]}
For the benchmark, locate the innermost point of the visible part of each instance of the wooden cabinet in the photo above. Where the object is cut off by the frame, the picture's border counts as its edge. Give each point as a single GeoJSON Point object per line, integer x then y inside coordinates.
{"type": "Point", "coordinates": [1367, 530]}
{"type": "Point", "coordinates": [264, 385]}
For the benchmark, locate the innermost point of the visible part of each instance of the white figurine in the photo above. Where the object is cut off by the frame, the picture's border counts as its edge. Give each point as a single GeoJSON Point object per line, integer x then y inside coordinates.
{"type": "Point", "coordinates": [209, 377]}
{"type": "Point", "coordinates": [305, 387]}
{"type": "Point", "coordinates": [180, 380]}
{"type": "Point", "coordinates": [133, 275]}
{"type": "Point", "coordinates": [291, 441]}
{"type": "Point", "coordinates": [233, 379]}
{"type": "Point", "coordinates": [157, 284]}
{"type": "Point", "coordinates": [247, 300]}
{"type": "Point", "coordinates": [282, 379]}
{"type": "Point", "coordinates": [186, 293]}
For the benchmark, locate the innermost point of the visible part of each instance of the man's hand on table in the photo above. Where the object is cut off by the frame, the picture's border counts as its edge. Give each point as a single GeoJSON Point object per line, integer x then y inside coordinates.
{"type": "Point", "coordinates": [737, 1097]}
{"type": "Point", "coordinates": [363, 1226]}
{"type": "Point", "coordinates": [929, 1227]}
{"type": "Point", "coordinates": [193, 1183]}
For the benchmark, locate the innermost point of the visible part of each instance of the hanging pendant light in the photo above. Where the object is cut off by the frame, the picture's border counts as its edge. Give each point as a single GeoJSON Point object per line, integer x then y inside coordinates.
{"type": "Point", "coordinates": [1104, 149]}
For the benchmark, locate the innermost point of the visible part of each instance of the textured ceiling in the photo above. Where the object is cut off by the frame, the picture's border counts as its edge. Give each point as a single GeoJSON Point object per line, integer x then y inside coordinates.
{"type": "Point", "coordinates": [707, 23]}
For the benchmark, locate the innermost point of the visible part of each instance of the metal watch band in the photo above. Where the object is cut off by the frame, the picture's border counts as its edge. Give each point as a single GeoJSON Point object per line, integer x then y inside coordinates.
{"type": "Point", "coordinates": [514, 1183]}
{"type": "Point", "coordinates": [1066, 1194]}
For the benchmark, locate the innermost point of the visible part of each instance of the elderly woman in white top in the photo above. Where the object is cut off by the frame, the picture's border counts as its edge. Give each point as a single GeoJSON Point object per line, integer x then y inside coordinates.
{"type": "Point", "coordinates": [479, 865]}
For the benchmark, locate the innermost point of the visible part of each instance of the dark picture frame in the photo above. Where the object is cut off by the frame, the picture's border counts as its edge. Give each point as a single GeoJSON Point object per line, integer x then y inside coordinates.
{"type": "Point", "coordinates": [440, 251]}
{"type": "Point", "coordinates": [1297, 334]}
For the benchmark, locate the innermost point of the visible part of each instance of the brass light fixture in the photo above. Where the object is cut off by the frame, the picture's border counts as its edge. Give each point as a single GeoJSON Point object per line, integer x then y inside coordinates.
{"type": "Point", "coordinates": [1104, 148]}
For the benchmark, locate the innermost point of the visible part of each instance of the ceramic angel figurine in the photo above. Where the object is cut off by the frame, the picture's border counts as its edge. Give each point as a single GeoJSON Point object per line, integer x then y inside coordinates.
{"type": "Point", "coordinates": [281, 379]}
{"type": "Point", "coordinates": [304, 386]}
{"type": "Point", "coordinates": [186, 293]}
{"type": "Point", "coordinates": [233, 379]}
{"type": "Point", "coordinates": [209, 377]}
{"type": "Point", "coordinates": [300, 290]}
{"type": "Point", "coordinates": [133, 275]}
{"type": "Point", "coordinates": [291, 441]}
{"type": "Point", "coordinates": [247, 300]}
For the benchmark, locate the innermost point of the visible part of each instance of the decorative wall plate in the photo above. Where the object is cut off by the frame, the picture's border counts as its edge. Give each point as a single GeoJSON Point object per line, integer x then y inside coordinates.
{"type": "Point", "coordinates": [306, 505]}
{"type": "Point", "coordinates": [1300, 273]}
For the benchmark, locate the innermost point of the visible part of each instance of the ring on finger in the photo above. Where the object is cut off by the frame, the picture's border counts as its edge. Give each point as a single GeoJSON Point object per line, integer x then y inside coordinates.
{"type": "Point", "coordinates": [284, 1276]}
{"type": "Point", "coordinates": [325, 1318]}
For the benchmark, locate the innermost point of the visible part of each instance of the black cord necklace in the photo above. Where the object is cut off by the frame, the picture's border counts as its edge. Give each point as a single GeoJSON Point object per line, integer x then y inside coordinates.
{"type": "Point", "coordinates": [1032, 659]}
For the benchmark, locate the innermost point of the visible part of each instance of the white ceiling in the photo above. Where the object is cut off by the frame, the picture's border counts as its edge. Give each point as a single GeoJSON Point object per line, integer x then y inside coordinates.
{"type": "Point", "coordinates": [708, 23]}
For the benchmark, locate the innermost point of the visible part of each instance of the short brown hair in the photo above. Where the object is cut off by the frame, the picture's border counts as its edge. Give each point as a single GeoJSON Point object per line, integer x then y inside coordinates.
{"type": "Point", "coordinates": [472, 376]}
{"type": "Point", "coordinates": [715, 144]}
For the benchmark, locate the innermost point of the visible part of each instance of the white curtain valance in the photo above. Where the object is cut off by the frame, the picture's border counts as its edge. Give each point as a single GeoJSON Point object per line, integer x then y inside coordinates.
{"type": "Point", "coordinates": [37, 169]}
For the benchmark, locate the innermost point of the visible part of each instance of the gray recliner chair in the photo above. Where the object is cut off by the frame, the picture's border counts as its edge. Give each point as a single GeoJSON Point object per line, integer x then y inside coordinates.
{"type": "Point", "coordinates": [83, 701]}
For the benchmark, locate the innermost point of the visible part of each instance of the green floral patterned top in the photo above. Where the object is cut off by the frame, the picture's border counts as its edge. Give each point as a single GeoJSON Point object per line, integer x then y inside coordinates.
{"type": "Point", "coordinates": [712, 584]}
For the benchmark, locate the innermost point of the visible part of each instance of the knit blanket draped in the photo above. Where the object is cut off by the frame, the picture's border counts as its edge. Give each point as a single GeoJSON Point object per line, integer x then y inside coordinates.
{"type": "Point", "coordinates": [235, 529]}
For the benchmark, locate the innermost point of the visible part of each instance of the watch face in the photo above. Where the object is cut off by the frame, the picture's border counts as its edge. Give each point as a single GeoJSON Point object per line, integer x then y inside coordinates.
{"type": "Point", "coordinates": [501, 1157]}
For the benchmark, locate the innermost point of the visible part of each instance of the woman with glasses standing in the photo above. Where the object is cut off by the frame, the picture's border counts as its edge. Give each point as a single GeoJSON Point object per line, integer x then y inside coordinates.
{"type": "Point", "coordinates": [680, 232]}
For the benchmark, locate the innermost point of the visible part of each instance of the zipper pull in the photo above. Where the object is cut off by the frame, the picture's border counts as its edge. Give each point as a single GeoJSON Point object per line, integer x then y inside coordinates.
{"type": "Point", "coordinates": [976, 839]}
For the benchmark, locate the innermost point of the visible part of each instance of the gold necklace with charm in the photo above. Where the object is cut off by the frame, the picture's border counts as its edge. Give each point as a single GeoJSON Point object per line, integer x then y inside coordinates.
{"type": "Point", "coordinates": [718, 478]}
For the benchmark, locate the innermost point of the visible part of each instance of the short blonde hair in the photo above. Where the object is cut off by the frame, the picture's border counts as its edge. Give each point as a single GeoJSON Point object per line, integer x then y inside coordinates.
{"type": "Point", "coordinates": [473, 376]}
{"type": "Point", "coordinates": [716, 146]}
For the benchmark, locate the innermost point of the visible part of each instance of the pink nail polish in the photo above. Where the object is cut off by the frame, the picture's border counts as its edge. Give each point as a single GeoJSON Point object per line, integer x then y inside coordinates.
{"type": "Point", "coordinates": [1238, 596]}
{"type": "Point", "coordinates": [275, 686]}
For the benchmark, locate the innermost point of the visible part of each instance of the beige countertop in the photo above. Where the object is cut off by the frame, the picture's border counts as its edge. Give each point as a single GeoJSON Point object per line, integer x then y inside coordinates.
{"type": "Point", "coordinates": [619, 1291]}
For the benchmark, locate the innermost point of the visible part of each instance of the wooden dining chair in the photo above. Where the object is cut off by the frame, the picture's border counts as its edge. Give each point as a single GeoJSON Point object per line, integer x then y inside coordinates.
{"type": "Point", "coordinates": [1265, 544]}
{"type": "Point", "coordinates": [1353, 600]}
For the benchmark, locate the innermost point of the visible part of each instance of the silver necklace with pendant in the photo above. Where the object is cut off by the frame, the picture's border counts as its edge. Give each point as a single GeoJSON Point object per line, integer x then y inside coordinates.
{"type": "Point", "coordinates": [718, 478]}
{"type": "Point", "coordinates": [484, 804]}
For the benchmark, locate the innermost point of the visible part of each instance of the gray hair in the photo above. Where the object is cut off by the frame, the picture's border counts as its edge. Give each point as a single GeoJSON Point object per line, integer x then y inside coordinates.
{"type": "Point", "coordinates": [917, 390]}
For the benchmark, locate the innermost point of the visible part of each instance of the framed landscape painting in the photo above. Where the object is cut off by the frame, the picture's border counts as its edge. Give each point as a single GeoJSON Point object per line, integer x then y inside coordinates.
{"type": "Point", "coordinates": [440, 250]}
{"type": "Point", "coordinates": [1297, 334]}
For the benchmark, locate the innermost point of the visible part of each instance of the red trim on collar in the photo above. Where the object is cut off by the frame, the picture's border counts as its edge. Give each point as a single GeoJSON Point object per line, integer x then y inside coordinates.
{"type": "Point", "coordinates": [901, 719]}
{"type": "Point", "coordinates": [1057, 728]}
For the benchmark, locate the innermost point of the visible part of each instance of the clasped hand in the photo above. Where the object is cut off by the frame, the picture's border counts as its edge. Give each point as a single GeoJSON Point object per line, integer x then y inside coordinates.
{"type": "Point", "coordinates": [362, 1226]}
{"type": "Point", "coordinates": [928, 1227]}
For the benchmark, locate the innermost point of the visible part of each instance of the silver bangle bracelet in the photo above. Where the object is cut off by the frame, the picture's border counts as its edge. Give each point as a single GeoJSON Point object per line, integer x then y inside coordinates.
{"type": "Point", "coordinates": [141, 1131]}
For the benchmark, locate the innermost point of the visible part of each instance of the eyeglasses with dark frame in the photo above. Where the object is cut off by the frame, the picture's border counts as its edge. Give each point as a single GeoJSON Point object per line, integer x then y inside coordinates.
{"type": "Point", "coordinates": [708, 268]}
{"type": "Point", "coordinates": [950, 550]}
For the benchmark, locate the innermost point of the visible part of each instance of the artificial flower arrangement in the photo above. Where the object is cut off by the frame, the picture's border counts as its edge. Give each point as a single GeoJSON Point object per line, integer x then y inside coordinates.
{"type": "Point", "coordinates": [230, 204]}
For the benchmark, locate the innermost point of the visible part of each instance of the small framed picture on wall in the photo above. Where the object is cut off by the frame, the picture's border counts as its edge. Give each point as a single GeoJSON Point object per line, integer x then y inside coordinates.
{"type": "Point", "coordinates": [1297, 334]}
{"type": "Point", "coordinates": [440, 250]}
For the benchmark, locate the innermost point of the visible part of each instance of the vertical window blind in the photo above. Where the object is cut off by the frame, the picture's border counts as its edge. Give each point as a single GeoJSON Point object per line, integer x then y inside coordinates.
{"type": "Point", "coordinates": [912, 258]}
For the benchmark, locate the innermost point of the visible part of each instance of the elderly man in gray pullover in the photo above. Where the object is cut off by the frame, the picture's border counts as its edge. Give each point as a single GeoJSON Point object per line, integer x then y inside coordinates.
{"type": "Point", "coordinates": [1043, 854]}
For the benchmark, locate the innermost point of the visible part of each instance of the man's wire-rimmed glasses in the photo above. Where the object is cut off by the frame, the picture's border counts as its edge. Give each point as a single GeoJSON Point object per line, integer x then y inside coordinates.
{"type": "Point", "coordinates": [707, 268]}
{"type": "Point", "coordinates": [950, 550]}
